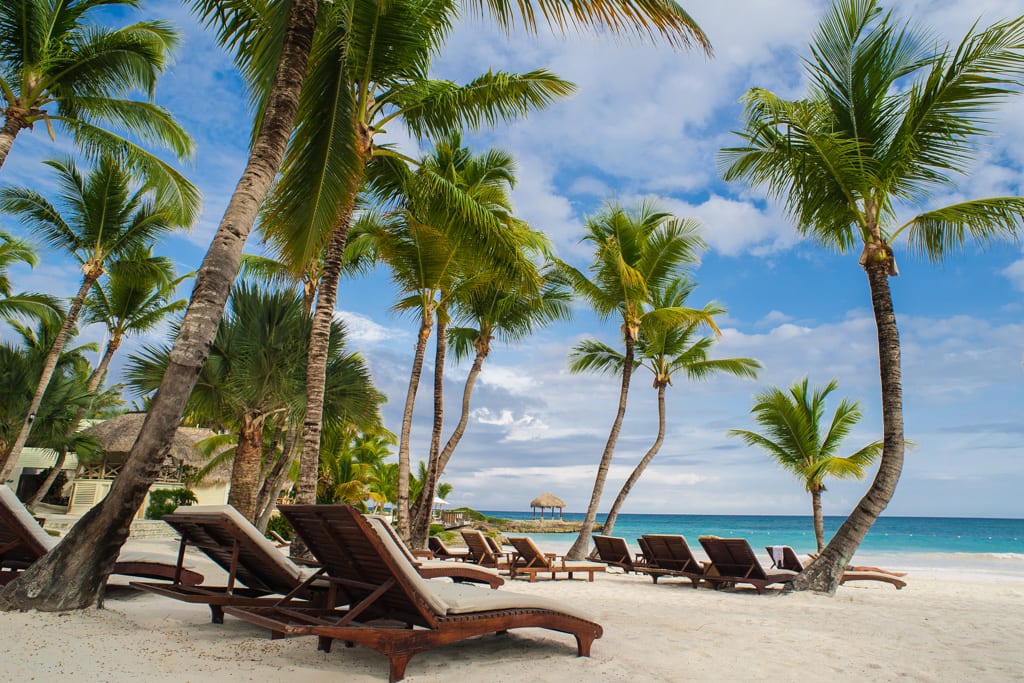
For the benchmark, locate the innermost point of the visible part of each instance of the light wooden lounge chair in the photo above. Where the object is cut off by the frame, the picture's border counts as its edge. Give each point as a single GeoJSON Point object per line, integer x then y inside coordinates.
{"type": "Point", "coordinates": [23, 541]}
{"type": "Point", "coordinates": [393, 609]}
{"type": "Point", "coordinates": [443, 552]}
{"type": "Point", "coordinates": [784, 557]}
{"type": "Point", "coordinates": [258, 572]}
{"type": "Point", "coordinates": [614, 552]}
{"type": "Point", "coordinates": [733, 561]}
{"type": "Point", "coordinates": [532, 561]}
{"type": "Point", "coordinates": [669, 555]}
{"type": "Point", "coordinates": [482, 553]}
{"type": "Point", "coordinates": [435, 569]}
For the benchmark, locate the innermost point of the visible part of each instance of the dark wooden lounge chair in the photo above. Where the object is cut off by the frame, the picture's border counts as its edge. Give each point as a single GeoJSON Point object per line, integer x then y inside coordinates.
{"type": "Point", "coordinates": [443, 552]}
{"type": "Point", "coordinates": [532, 561]}
{"type": "Point", "coordinates": [614, 552]}
{"type": "Point", "coordinates": [435, 569]}
{"type": "Point", "coordinates": [258, 572]}
{"type": "Point", "coordinates": [482, 553]}
{"type": "Point", "coordinates": [784, 557]}
{"type": "Point", "coordinates": [393, 609]}
{"type": "Point", "coordinates": [733, 561]}
{"type": "Point", "coordinates": [23, 541]}
{"type": "Point", "coordinates": [669, 555]}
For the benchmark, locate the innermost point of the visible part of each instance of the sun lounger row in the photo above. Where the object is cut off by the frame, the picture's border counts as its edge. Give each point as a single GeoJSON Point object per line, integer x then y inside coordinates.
{"type": "Point", "coordinates": [523, 558]}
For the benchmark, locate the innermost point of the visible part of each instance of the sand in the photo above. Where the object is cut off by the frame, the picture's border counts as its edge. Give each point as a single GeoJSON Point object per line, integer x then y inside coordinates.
{"type": "Point", "coordinates": [944, 626]}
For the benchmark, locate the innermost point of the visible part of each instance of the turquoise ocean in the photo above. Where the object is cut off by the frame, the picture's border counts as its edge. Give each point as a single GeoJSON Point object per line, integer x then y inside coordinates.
{"type": "Point", "coordinates": [994, 545]}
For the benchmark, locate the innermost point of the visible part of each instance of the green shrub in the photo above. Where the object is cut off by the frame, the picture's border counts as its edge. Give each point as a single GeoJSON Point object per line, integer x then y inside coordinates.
{"type": "Point", "coordinates": [165, 501]}
{"type": "Point", "coordinates": [279, 524]}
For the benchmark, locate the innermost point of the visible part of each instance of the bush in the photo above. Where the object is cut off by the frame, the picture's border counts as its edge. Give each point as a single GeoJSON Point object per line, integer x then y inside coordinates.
{"type": "Point", "coordinates": [279, 524]}
{"type": "Point", "coordinates": [165, 501]}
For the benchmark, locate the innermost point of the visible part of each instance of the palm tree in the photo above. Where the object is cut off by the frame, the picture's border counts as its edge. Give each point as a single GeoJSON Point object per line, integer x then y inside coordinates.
{"type": "Point", "coordinates": [889, 118]}
{"type": "Point", "coordinates": [792, 435]}
{"type": "Point", "coordinates": [636, 251]}
{"type": "Point", "coordinates": [99, 218]}
{"type": "Point", "coordinates": [665, 347]}
{"type": "Point", "coordinates": [93, 544]}
{"type": "Point", "coordinates": [135, 298]}
{"type": "Point", "coordinates": [58, 66]}
{"type": "Point", "coordinates": [24, 305]}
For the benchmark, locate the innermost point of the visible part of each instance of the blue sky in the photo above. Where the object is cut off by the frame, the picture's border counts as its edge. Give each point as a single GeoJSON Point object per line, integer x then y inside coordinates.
{"type": "Point", "coordinates": [646, 123]}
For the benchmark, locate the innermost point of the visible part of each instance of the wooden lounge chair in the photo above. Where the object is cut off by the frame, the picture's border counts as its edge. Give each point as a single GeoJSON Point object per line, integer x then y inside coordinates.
{"type": "Point", "coordinates": [393, 609]}
{"type": "Point", "coordinates": [670, 555]}
{"type": "Point", "coordinates": [258, 572]}
{"type": "Point", "coordinates": [23, 541]}
{"type": "Point", "coordinates": [733, 561]}
{"type": "Point", "coordinates": [443, 552]}
{"type": "Point", "coordinates": [434, 569]}
{"type": "Point", "coordinates": [532, 561]}
{"type": "Point", "coordinates": [784, 557]}
{"type": "Point", "coordinates": [614, 552]}
{"type": "Point", "coordinates": [482, 553]}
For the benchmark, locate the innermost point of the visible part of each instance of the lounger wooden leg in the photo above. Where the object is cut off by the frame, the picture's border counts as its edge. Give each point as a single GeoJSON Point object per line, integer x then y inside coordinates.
{"type": "Point", "coordinates": [216, 614]}
{"type": "Point", "coordinates": [396, 665]}
{"type": "Point", "coordinates": [323, 643]}
{"type": "Point", "coordinates": [583, 643]}
{"type": "Point", "coordinates": [590, 577]}
{"type": "Point", "coordinates": [276, 635]}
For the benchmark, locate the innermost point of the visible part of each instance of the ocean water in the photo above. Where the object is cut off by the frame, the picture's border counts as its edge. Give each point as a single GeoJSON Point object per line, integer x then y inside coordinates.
{"type": "Point", "coordinates": [996, 544]}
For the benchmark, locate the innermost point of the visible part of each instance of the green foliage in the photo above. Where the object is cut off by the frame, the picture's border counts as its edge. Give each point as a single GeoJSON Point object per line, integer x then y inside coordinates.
{"type": "Point", "coordinates": [474, 516]}
{"type": "Point", "coordinates": [280, 525]}
{"type": "Point", "coordinates": [165, 501]}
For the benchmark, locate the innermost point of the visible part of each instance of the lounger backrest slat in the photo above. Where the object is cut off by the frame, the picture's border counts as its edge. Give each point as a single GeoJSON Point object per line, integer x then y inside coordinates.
{"type": "Point", "coordinates": [671, 551]}
{"type": "Point", "coordinates": [531, 555]}
{"type": "Point", "coordinates": [733, 557]}
{"type": "Point", "coordinates": [25, 541]}
{"type": "Point", "coordinates": [345, 543]}
{"type": "Point", "coordinates": [479, 550]}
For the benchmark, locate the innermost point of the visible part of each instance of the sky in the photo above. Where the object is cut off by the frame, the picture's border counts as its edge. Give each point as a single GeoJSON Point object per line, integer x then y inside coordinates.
{"type": "Point", "coordinates": [646, 123]}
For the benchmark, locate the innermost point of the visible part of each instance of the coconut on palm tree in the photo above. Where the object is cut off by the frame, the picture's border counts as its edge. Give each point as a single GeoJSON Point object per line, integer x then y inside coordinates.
{"type": "Point", "coordinates": [636, 251]}
{"type": "Point", "coordinates": [666, 346]}
{"type": "Point", "coordinates": [99, 217]}
{"type": "Point", "coordinates": [793, 435]}
{"type": "Point", "coordinates": [63, 71]}
{"type": "Point", "coordinates": [890, 118]}
{"type": "Point", "coordinates": [93, 544]}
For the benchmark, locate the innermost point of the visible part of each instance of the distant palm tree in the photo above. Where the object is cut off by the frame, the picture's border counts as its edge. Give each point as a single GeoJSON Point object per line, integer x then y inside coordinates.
{"type": "Point", "coordinates": [57, 65]}
{"type": "Point", "coordinates": [100, 217]}
{"type": "Point", "coordinates": [665, 347]}
{"type": "Point", "coordinates": [793, 435]}
{"type": "Point", "coordinates": [890, 117]}
{"type": "Point", "coordinates": [24, 305]}
{"type": "Point", "coordinates": [636, 251]}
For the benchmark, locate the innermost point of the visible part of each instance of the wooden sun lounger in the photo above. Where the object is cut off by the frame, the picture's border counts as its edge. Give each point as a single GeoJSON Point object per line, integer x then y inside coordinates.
{"type": "Point", "coordinates": [532, 561]}
{"type": "Point", "coordinates": [482, 553]}
{"type": "Point", "coordinates": [393, 609]}
{"type": "Point", "coordinates": [733, 561]}
{"type": "Point", "coordinates": [23, 541]}
{"type": "Point", "coordinates": [258, 572]}
{"type": "Point", "coordinates": [788, 560]}
{"type": "Point", "coordinates": [435, 569]}
{"type": "Point", "coordinates": [669, 555]}
{"type": "Point", "coordinates": [443, 552]}
{"type": "Point", "coordinates": [614, 552]}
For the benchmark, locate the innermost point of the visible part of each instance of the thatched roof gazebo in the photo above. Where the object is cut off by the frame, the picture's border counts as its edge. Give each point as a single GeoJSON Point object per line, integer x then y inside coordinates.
{"type": "Point", "coordinates": [547, 500]}
{"type": "Point", "coordinates": [118, 434]}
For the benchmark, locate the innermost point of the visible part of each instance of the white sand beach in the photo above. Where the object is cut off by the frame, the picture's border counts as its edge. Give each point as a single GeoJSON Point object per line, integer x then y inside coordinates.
{"type": "Point", "coordinates": [946, 625]}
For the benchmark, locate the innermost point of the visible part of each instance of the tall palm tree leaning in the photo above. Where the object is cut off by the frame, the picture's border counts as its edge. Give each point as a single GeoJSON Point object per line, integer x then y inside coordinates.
{"type": "Point", "coordinates": [636, 251]}
{"type": "Point", "coordinates": [889, 118]}
{"type": "Point", "coordinates": [73, 574]}
{"type": "Point", "coordinates": [665, 348]}
{"type": "Point", "coordinates": [793, 437]}
{"type": "Point", "coordinates": [57, 66]}
{"type": "Point", "coordinates": [99, 218]}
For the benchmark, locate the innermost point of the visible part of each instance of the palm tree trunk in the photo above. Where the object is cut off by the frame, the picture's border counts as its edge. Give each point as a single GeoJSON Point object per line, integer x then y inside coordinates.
{"type": "Point", "coordinates": [13, 124]}
{"type": "Point", "coordinates": [582, 543]}
{"type": "Point", "coordinates": [274, 482]}
{"type": "Point", "coordinates": [10, 459]}
{"type": "Point", "coordinates": [73, 575]}
{"type": "Point", "coordinates": [460, 428]}
{"type": "Point", "coordinates": [421, 512]}
{"type": "Point", "coordinates": [824, 574]}
{"type": "Point", "coordinates": [316, 360]}
{"type": "Point", "coordinates": [97, 375]}
{"type": "Point", "coordinates": [634, 476]}
{"type": "Point", "coordinates": [404, 470]}
{"type": "Point", "coordinates": [44, 488]}
{"type": "Point", "coordinates": [819, 519]}
{"type": "Point", "coordinates": [245, 473]}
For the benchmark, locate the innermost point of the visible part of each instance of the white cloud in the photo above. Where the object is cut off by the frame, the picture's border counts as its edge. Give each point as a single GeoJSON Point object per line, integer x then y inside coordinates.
{"type": "Point", "coordinates": [363, 330]}
{"type": "Point", "coordinates": [1015, 273]}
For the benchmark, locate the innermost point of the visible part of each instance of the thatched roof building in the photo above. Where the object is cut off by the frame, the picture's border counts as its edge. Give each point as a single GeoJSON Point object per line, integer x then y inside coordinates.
{"type": "Point", "coordinates": [547, 500]}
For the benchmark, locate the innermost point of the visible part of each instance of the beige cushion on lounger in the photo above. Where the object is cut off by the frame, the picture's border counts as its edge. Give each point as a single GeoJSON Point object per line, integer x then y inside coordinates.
{"type": "Point", "coordinates": [462, 599]}
{"type": "Point", "coordinates": [443, 564]}
{"type": "Point", "coordinates": [408, 570]}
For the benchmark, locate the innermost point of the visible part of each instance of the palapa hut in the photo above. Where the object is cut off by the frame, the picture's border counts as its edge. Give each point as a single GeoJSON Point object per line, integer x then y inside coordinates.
{"type": "Point", "coordinates": [547, 500]}
{"type": "Point", "coordinates": [117, 436]}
